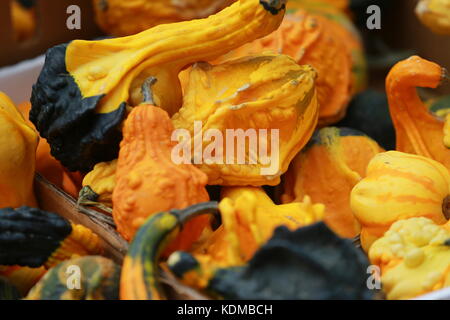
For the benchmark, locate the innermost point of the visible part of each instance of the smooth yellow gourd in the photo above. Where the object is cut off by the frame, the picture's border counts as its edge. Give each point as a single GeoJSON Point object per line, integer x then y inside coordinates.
{"type": "Point", "coordinates": [18, 143]}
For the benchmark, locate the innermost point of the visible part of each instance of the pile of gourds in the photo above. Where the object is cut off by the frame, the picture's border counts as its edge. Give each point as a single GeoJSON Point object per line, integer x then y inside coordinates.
{"type": "Point", "coordinates": [112, 115]}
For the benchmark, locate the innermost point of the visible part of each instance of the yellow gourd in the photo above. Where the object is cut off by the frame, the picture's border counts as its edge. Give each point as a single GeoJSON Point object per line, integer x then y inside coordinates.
{"type": "Point", "coordinates": [435, 14]}
{"type": "Point", "coordinates": [399, 186]}
{"type": "Point", "coordinates": [18, 143]}
{"type": "Point", "coordinates": [266, 100]}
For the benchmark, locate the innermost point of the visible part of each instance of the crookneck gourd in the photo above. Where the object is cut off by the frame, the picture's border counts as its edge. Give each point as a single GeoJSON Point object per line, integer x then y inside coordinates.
{"type": "Point", "coordinates": [417, 130]}
{"type": "Point", "coordinates": [148, 181]}
{"type": "Point", "coordinates": [323, 40]}
{"type": "Point", "coordinates": [334, 161]}
{"type": "Point", "coordinates": [254, 115]}
{"type": "Point", "coordinates": [18, 143]}
{"type": "Point", "coordinates": [435, 14]}
{"type": "Point", "coordinates": [414, 258]}
{"type": "Point", "coordinates": [140, 272]}
{"type": "Point", "coordinates": [84, 88]}
{"type": "Point", "coordinates": [399, 186]}
{"type": "Point", "coordinates": [33, 238]}
{"type": "Point", "coordinates": [84, 278]}
{"type": "Point", "coordinates": [124, 18]}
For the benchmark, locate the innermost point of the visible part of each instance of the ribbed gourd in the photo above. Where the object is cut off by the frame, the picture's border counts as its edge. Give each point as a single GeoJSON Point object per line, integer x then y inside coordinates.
{"type": "Point", "coordinates": [324, 38]}
{"type": "Point", "coordinates": [435, 14]}
{"type": "Point", "coordinates": [399, 186]}
{"type": "Point", "coordinates": [334, 161]}
{"type": "Point", "coordinates": [80, 99]}
{"type": "Point", "coordinates": [254, 114]}
{"type": "Point", "coordinates": [124, 18]}
{"type": "Point", "coordinates": [18, 143]}
{"type": "Point", "coordinates": [147, 180]}
{"type": "Point", "coordinates": [418, 131]}
{"type": "Point", "coordinates": [84, 278]}
{"type": "Point", "coordinates": [414, 258]}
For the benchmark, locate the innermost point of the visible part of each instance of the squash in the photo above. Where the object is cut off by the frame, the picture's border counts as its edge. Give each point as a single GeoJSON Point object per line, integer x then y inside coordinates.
{"type": "Point", "coordinates": [399, 186]}
{"type": "Point", "coordinates": [308, 263]}
{"type": "Point", "coordinates": [435, 14]}
{"type": "Point", "coordinates": [46, 165]}
{"type": "Point", "coordinates": [414, 258]}
{"type": "Point", "coordinates": [140, 272]}
{"type": "Point", "coordinates": [327, 41]}
{"type": "Point", "coordinates": [417, 130]}
{"type": "Point", "coordinates": [367, 108]}
{"type": "Point", "coordinates": [34, 238]}
{"type": "Point", "coordinates": [18, 145]}
{"type": "Point", "coordinates": [98, 186]}
{"type": "Point", "coordinates": [23, 19]}
{"type": "Point", "coordinates": [82, 93]}
{"type": "Point", "coordinates": [266, 99]}
{"type": "Point", "coordinates": [249, 218]}
{"type": "Point", "coordinates": [330, 166]}
{"type": "Point", "coordinates": [147, 180]}
{"type": "Point", "coordinates": [99, 280]}
{"type": "Point", "coordinates": [120, 18]}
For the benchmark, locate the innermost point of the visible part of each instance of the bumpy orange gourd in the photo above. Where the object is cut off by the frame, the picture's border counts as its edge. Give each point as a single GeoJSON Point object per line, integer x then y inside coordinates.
{"type": "Point", "coordinates": [327, 170]}
{"type": "Point", "coordinates": [148, 182]}
{"type": "Point", "coordinates": [124, 18]}
{"type": "Point", "coordinates": [18, 143]}
{"type": "Point", "coordinates": [417, 130]}
{"type": "Point", "coordinates": [335, 51]}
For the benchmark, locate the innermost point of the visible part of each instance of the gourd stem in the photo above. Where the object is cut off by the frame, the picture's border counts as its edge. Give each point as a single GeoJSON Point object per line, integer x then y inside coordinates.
{"type": "Point", "coordinates": [197, 210]}
{"type": "Point", "coordinates": [446, 207]}
{"type": "Point", "coordinates": [147, 91]}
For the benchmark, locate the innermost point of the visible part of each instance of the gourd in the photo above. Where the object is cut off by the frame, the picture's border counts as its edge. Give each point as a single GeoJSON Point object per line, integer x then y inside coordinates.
{"type": "Point", "coordinates": [34, 238]}
{"type": "Point", "coordinates": [399, 186]}
{"type": "Point", "coordinates": [23, 19]}
{"type": "Point", "coordinates": [268, 96]}
{"type": "Point", "coordinates": [18, 144]}
{"type": "Point", "coordinates": [98, 185]}
{"type": "Point", "coordinates": [249, 218]}
{"type": "Point", "coordinates": [417, 130]}
{"type": "Point", "coordinates": [99, 280]}
{"type": "Point", "coordinates": [327, 41]}
{"type": "Point", "coordinates": [121, 18]}
{"type": "Point", "coordinates": [334, 161]}
{"type": "Point", "coordinates": [140, 272]}
{"type": "Point", "coordinates": [80, 99]}
{"type": "Point", "coordinates": [435, 14]}
{"type": "Point", "coordinates": [147, 180]}
{"type": "Point", "coordinates": [414, 258]}
{"type": "Point", "coordinates": [314, 263]}
{"type": "Point", "coordinates": [46, 165]}
{"type": "Point", "coordinates": [367, 108]}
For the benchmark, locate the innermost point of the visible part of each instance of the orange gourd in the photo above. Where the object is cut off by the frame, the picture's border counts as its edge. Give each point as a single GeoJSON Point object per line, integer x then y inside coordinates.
{"type": "Point", "coordinates": [327, 170]}
{"type": "Point", "coordinates": [417, 130]}
{"type": "Point", "coordinates": [148, 182]}
{"type": "Point", "coordinates": [326, 41]}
